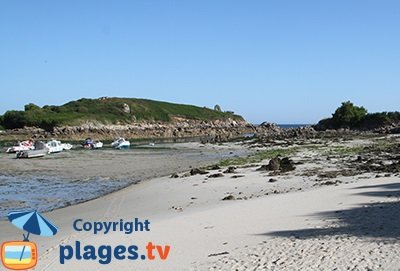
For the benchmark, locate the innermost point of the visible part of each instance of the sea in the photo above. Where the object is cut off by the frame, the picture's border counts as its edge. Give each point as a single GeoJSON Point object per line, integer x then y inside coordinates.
{"type": "Point", "coordinates": [290, 126]}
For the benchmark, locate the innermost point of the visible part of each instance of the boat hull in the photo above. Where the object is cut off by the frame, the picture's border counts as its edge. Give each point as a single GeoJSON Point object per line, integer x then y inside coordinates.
{"type": "Point", "coordinates": [32, 153]}
{"type": "Point", "coordinates": [121, 143]}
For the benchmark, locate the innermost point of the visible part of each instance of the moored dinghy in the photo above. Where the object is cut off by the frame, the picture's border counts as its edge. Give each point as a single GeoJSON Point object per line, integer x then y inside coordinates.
{"type": "Point", "coordinates": [120, 143]}
{"type": "Point", "coordinates": [91, 144]}
{"type": "Point", "coordinates": [66, 146]}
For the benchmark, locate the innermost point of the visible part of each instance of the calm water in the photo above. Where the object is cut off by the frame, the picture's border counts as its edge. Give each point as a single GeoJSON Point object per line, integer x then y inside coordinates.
{"type": "Point", "coordinates": [34, 190]}
{"type": "Point", "coordinates": [289, 126]}
{"type": "Point", "coordinates": [48, 193]}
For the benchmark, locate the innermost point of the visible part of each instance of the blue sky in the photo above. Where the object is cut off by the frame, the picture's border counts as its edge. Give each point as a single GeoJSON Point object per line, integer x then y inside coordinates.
{"type": "Point", "coordinates": [280, 61]}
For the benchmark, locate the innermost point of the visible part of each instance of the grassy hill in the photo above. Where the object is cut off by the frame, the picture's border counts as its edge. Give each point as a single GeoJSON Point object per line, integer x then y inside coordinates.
{"type": "Point", "coordinates": [107, 111]}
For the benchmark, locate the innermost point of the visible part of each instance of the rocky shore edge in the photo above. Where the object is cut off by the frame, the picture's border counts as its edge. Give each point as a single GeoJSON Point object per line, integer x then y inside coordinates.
{"type": "Point", "coordinates": [218, 130]}
{"type": "Point", "coordinates": [208, 131]}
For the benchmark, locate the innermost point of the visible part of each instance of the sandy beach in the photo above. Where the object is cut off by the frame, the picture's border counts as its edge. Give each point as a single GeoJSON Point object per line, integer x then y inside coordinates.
{"type": "Point", "coordinates": [200, 135]}
{"type": "Point", "coordinates": [79, 175]}
{"type": "Point", "coordinates": [322, 214]}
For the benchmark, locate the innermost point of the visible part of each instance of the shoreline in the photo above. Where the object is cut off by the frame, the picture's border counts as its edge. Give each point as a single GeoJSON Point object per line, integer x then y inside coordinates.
{"type": "Point", "coordinates": [248, 216]}
{"type": "Point", "coordinates": [94, 178]}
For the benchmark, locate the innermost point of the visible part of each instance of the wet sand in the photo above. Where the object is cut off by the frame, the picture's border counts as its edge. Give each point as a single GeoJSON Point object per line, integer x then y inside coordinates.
{"type": "Point", "coordinates": [71, 177]}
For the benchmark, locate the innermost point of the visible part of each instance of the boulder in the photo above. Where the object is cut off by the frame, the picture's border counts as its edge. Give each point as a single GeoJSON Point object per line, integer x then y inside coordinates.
{"type": "Point", "coordinates": [196, 171]}
{"type": "Point", "coordinates": [230, 170]}
{"type": "Point", "coordinates": [174, 175]}
{"type": "Point", "coordinates": [229, 197]}
{"type": "Point", "coordinates": [217, 108]}
{"type": "Point", "coordinates": [125, 108]}
{"type": "Point", "coordinates": [274, 164]}
{"type": "Point", "coordinates": [216, 175]}
{"type": "Point", "coordinates": [287, 164]}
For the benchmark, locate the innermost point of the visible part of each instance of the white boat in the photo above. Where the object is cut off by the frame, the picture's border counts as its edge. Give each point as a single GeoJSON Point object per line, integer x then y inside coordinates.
{"type": "Point", "coordinates": [54, 146]}
{"type": "Point", "coordinates": [40, 150]}
{"type": "Point", "coordinates": [120, 143]}
{"type": "Point", "coordinates": [66, 146]}
{"type": "Point", "coordinates": [21, 146]}
{"type": "Point", "coordinates": [91, 144]}
{"type": "Point", "coordinates": [32, 153]}
{"type": "Point", "coordinates": [97, 145]}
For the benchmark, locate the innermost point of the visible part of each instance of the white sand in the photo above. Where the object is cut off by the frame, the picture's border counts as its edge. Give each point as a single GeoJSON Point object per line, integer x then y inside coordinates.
{"type": "Point", "coordinates": [241, 228]}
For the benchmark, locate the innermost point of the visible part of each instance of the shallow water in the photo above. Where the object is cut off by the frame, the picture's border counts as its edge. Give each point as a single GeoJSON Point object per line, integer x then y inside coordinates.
{"type": "Point", "coordinates": [48, 193]}
{"type": "Point", "coordinates": [75, 176]}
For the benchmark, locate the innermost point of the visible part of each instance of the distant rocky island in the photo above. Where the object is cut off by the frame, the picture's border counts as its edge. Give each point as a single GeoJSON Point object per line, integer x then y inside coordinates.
{"type": "Point", "coordinates": [106, 118]}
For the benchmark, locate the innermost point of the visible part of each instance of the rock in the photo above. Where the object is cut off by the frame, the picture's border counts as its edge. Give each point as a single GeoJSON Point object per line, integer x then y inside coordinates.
{"type": "Point", "coordinates": [216, 175]}
{"type": "Point", "coordinates": [329, 183]}
{"type": "Point", "coordinates": [214, 167]}
{"type": "Point", "coordinates": [272, 180]}
{"type": "Point", "coordinates": [395, 130]}
{"type": "Point", "coordinates": [217, 108]}
{"type": "Point", "coordinates": [269, 125]}
{"type": "Point", "coordinates": [287, 164]}
{"type": "Point", "coordinates": [174, 175]}
{"type": "Point", "coordinates": [125, 108]}
{"type": "Point", "coordinates": [196, 171]}
{"type": "Point", "coordinates": [229, 197]}
{"type": "Point", "coordinates": [274, 164]}
{"type": "Point", "coordinates": [263, 168]}
{"type": "Point", "coordinates": [237, 176]}
{"type": "Point", "coordinates": [230, 170]}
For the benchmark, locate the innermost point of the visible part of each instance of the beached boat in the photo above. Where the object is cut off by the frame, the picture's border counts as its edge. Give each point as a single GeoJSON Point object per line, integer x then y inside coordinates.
{"type": "Point", "coordinates": [91, 144]}
{"type": "Point", "coordinates": [120, 143]}
{"type": "Point", "coordinates": [66, 146]}
{"type": "Point", "coordinates": [40, 150]}
{"type": "Point", "coordinates": [54, 146]}
{"type": "Point", "coordinates": [21, 146]}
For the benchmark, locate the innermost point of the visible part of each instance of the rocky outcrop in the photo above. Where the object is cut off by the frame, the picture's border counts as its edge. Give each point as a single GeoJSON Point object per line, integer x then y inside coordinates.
{"type": "Point", "coordinates": [209, 131]}
{"type": "Point", "coordinates": [389, 129]}
{"type": "Point", "coordinates": [273, 131]}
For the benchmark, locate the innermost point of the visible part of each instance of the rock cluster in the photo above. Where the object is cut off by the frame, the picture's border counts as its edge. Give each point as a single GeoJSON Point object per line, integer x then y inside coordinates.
{"type": "Point", "coordinates": [275, 164]}
{"type": "Point", "coordinates": [208, 131]}
{"type": "Point", "coordinates": [273, 131]}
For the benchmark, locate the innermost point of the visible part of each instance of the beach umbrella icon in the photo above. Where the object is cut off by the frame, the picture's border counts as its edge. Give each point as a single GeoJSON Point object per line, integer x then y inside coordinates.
{"type": "Point", "coordinates": [32, 222]}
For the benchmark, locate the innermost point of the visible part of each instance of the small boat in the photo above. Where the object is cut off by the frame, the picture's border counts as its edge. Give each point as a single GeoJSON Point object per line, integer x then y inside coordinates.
{"type": "Point", "coordinates": [21, 146]}
{"type": "Point", "coordinates": [54, 146]}
{"type": "Point", "coordinates": [40, 150]}
{"type": "Point", "coordinates": [66, 146]}
{"type": "Point", "coordinates": [91, 144]}
{"type": "Point", "coordinates": [120, 143]}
